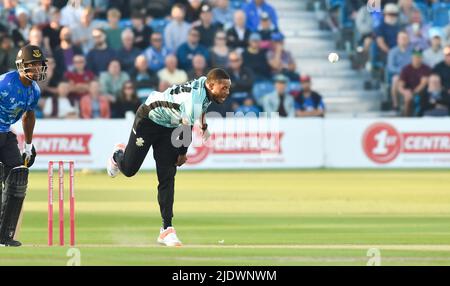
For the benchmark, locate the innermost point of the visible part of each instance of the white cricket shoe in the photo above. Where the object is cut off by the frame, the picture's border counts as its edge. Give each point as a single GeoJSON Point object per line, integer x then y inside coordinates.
{"type": "Point", "coordinates": [168, 237]}
{"type": "Point", "coordinates": [112, 168]}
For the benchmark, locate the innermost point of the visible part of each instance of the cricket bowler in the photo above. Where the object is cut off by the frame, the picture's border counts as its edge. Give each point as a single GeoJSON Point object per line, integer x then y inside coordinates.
{"type": "Point", "coordinates": [19, 95]}
{"type": "Point", "coordinates": [157, 123]}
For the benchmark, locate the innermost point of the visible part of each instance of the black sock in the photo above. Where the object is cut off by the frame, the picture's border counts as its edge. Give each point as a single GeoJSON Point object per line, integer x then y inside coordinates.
{"type": "Point", "coordinates": [167, 223]}
{"type": "Point", "coordinates": [117, 155]}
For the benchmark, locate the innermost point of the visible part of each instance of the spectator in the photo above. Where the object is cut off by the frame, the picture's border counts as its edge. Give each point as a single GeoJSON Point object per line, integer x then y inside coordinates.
{"type": "Point", "coordinates": [175, 33]}
{"type": "Point", "coordinates": [193, 10]}
{"type": "Point", "coordinates": [188, 50]}
{"type": "Point", "coordinates": [141, 31]}
{"type": "Point", "coordinates": [436, 101]}
{"type": "Point", "coordinates": [418, 31]}
{"type": "Point", "coordinates": [41, 15]}
{"type": "Point", "coordinates": [143, 78]}
{"type": "Point", "coordinates": [398, 58]}
{"type": "Point", "coordinates": [71, 15]}
{"type": "Point", "coordinates": [111, 81]}
{"type": "Point", "coordinates": [79, 78]}
{"type": "Point", "coordinates": [266, 29]}
{"type": "Point", "coordinates": [413, 81]}
{"type": "Point", "coordinates": [364, 26]}
{"type": "Point", "coordinates": [219, 52]}
{"type": "Point", "coordinates": [253, 11]}
{"type": "Point", "coordinates": [101, 55]}
{"type": "Point", "coordinates": [8, 16]}
{"type": "Point", "coordinates": [256, 59]}
{"type": "Point", "coordinates": [122, 5]}
{"type": "Point", "coordinates": [223, 14]}
{"type": "Point", "coordinates": [65, 52]}
{"type": "Point", "coordinates": [170, 74]}
{"type": "Point", "coordinates": [281, 60]}
{"type": "Point", "coordinates": [128, 101]}
{"type": "Point", "coordinates": [386, 33]}
{"type": "Point", "coordinates": [308, 103]}
{"type": "Point", "coordinates": [49, 87]}
{"type": "Point", "coordinates": [52, 31]}
{"type": "Point", "coordinates": [35, 38]}
{"type": "Point", "coordinates": [8, 54]}
{"type": "Point", "coordinates": [237, 36]}
{"type": "Point", "coordinates": [59, 105]}
{"type": "Point", "coordinates": [113, 31]}
{"type": "Point", "coordinates": [434, 54]}
{"type": "Point", "coordinates": [406, 9]}
{"type": "Point", "coordinates": [95, 104]}
{"type": "Point", "coordinates": [249, 107]}
{"type": "Point", "coordinates": [207, 28]}
{"type": "Point", "coordinates": [99, 8]}
{"type": "Point", "coordinates": [280, 100]}
{"type": "Point", "coordinates": [156, 53]}
{"type": "Point", "coordinates": [198, 67]}
{"type": "Point", "coordinates": [242, 80]}
{"type": "Point", "coordinates": [20, 34]}
{"type": "Point", "coordinates": [82, 33]}
{"type": "Point", "coordinates": [128, 53]}
{"type": "Point", "coordinates": [443, 69]}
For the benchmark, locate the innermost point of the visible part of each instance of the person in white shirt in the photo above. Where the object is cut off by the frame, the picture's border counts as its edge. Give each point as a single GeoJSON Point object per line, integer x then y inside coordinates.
{"type": "Point", "coordinates": [171, 74]}
{"type": "Point", "coordinates": [60, 107]}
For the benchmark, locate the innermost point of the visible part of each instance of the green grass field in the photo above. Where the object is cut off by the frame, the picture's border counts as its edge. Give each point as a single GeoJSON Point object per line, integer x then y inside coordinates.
{"type": "Point", "coordinates": [295, 217]}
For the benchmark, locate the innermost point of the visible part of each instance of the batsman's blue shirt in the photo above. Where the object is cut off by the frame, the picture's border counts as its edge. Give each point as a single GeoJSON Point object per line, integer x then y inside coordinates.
{"type": "Point", "coordinates": [15, 99]}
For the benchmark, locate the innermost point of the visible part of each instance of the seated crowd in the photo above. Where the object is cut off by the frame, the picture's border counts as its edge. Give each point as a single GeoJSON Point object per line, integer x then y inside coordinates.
{"type": "Point", "coordinates": [103, 61]}
{"type": "Point", "coordinates": [406, 46]}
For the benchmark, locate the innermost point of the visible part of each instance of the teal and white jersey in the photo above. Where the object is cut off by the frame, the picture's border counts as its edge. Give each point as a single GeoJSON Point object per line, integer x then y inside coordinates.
{"type": "Point", "coordinates": [179, 104]}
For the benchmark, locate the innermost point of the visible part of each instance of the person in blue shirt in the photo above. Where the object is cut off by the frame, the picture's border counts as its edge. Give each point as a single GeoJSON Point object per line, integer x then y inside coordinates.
{"type": "Point", "coordinates": [19, 95]}
{"type": "Point", "coordinates": [308, 103]}
{"type": "Point", "coordinates": [188, 50]}
{"type": "Point", "coordinates": [254, 9]}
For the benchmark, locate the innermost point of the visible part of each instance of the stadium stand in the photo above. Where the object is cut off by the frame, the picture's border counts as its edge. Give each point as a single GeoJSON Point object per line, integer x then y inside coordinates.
{"type": "Point", "coordinates": [292, 37]}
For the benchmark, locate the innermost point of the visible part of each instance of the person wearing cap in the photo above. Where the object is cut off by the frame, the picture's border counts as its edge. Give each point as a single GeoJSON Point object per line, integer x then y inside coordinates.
{"type": "Point", "coordinates": [413, 81]}
{"type": "Point", "coordinates": [281, 60]}
{"type": "Point", "coordinates": [188, 50]}
{"type": "Point", "coordinates": [386, 33]}
{"type": "Point", "coordinates": [238, 34]}
{"type": "Point", "coordinates": [279, 101]}
{"type": "Point", "coordinates": [435, 53]}
{"type": "Point", "coordinates": [254, 9]}
{"type": "Point", "coordinates": [256, 59]}
{"type": "Point", "coordinates": [398, 57]}
{"type": "Point", "coordinates": [266, 29]}
{"type": "Point", "coordinates": [19, 97]}
{"type": "Point", "coordinates": [176, 31]}
{"type": "Point", "coordinates": [443, 69]}
{"type": "Point", "coordinates": [207, 28]}
{"type": "Point", "coordinates": [248, 107]}
{"type": "Point", "coordinates": [223, 14]}
{"type": "Point", "coordinates": [308, 103]}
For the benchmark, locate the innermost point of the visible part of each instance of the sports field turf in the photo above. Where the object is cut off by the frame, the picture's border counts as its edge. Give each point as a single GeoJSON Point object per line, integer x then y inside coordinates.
{"type": "Point", "coordinates": [295, 217]}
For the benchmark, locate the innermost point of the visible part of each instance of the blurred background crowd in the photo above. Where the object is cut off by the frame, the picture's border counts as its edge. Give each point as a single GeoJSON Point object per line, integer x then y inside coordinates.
{"type": "Point", "coordinates": [106, 56]}
{"type": "Point", "coordinates": [404, 44]}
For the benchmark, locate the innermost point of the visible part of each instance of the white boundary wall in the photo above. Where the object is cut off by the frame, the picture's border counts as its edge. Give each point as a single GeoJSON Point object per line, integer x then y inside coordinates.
{"type": "Point", "coordinates": [283, 143]}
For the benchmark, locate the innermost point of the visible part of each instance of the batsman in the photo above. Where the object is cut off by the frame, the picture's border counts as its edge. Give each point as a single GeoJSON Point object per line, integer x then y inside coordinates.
{"type": "Point", "coordinates": [19, 95]}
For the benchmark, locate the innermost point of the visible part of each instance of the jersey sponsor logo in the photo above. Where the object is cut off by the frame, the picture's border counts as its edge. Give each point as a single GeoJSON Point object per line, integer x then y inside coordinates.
{"type": "Point", "coordinates": [235, 144]}
{"type": "Point", "coordinates": [140, 142]}
{"type": "Point", "coordinates": [60, 144]}
{"type": "Point", "coordinates": [382, 143]}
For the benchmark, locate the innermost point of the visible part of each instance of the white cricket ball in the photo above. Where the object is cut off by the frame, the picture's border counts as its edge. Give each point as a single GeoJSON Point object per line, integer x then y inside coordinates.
{"type": "Point", "coordinates": [333, 57]}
